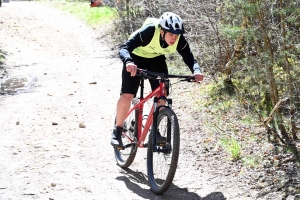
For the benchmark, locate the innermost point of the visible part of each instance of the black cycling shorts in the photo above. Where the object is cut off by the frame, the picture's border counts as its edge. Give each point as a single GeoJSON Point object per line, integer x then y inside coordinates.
{"type": "Point", "coordinates": [130, 84]}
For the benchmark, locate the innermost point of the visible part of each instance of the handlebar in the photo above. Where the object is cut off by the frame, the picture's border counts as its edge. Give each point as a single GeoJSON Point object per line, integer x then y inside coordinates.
{"type": "Point", "coordinates": [162, 76]}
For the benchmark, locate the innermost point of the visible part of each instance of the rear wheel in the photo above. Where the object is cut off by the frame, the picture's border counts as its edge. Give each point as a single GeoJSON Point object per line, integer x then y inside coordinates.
{"type": "Point", "coordinates": [162, 165]}
{"type": "Point", "coordinates": [126, 156]}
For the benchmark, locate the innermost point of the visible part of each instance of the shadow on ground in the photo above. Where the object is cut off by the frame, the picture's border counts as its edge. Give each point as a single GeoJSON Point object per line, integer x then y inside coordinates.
{"type": "Point", "coordinates": [3, 71]}
{"type": "Point", "coordinates": [2, 57]}
{"type": "Point", "coordinates": [133, 180]}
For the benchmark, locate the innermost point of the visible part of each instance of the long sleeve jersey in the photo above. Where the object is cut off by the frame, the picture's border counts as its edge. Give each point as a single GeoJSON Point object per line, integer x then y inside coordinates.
{"type": "Point", "coordinates": [144, 37]}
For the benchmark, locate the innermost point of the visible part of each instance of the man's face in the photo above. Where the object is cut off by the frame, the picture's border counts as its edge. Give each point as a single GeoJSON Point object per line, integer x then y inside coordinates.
{"type": "Point", "coordinates": [170, 38]}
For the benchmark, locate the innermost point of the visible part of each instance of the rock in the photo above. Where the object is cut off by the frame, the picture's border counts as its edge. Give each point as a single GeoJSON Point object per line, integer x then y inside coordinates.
{"type": "Point", "coordinates": [290, 197]}
{"type": "Point", "coordinates": [93, 83]}
{"type": "Point", "coordinates": [17, 123]}
{"type": "Point", "coordinates": [292, 190]}
{"type": "Point", "coordinates": [82, 125]}
{"type": "Point", "coordinates": [54, 123]}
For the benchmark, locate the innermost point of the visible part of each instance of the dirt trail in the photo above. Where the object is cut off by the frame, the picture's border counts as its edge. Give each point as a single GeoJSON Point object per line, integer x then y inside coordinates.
{"type": "Point", "coordinates": [59, 56]}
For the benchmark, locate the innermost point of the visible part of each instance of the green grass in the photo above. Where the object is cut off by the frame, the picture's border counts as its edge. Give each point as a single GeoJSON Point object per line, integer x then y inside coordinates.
{"type": "Point", "coordinates": [248, 119]}
{"type": "Point", "coordinates": [232, 147]}
{"type": "Point", "coordinates": [250, 162]}
{"type": "Point", "coordinates": [92, 15]}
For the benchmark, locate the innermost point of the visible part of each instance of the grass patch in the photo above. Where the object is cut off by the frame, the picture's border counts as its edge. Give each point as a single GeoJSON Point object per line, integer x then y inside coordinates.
{"type": "Point", "coordinates": [232, 147]}
{"type": "Point", "coordinates": [92, 15]}
{"type": "Point", "coordinates": [250, 162]}
{"type": "Point", "coordinates": [248, 119]}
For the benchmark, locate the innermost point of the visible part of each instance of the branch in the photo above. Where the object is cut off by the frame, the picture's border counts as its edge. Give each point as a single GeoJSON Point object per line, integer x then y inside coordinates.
{"type": "Point", "coordinates": [274, 110]}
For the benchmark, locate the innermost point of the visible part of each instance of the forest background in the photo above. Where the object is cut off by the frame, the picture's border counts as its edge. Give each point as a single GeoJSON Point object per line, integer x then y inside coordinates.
{"type": "Point", "coordinates": [249, 51]}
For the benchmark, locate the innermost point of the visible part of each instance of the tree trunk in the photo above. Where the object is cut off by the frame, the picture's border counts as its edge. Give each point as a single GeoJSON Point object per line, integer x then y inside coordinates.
{"type": "Point", "coordinates": [290, 78]}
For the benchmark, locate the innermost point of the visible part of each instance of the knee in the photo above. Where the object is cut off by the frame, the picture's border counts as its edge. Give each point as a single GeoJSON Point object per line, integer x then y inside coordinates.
{"type": "Point", "coordinates": [126, 97]}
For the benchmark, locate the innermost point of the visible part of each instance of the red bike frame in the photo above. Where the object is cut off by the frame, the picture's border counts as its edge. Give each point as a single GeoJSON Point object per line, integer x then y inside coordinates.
{"type": "Point", "coordinates": [159, 92]}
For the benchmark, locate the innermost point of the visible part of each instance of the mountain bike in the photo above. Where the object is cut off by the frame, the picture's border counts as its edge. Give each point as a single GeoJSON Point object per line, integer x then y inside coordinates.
{"type": "Point", "coordinates": [161, 123]}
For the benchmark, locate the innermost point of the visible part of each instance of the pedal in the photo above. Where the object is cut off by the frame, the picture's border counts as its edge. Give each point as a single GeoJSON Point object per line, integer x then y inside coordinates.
{"type": "Point", "coordinates": [120, 148]}
{"type": "Point", "coordinates": [145, 145]}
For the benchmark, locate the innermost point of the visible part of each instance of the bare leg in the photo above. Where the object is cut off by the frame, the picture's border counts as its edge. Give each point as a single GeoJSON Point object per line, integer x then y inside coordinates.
{"type": "Point", "coordinates": [123, 107]}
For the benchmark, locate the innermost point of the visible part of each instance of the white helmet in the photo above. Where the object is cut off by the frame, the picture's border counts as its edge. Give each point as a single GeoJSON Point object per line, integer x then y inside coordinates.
{"type": "Point", "coordinates": [172, 23]}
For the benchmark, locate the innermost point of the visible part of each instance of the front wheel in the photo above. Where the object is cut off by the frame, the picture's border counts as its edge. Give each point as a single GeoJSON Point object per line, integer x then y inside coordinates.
{"type": "Point", "coordinates": [126, 156]}
{"type": "Point", "coordinates": [162, 164]}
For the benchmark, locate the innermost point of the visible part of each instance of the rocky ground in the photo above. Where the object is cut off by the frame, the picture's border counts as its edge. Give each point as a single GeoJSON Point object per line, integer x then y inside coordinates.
{"type": "Point", "coordinates": [55, 131]}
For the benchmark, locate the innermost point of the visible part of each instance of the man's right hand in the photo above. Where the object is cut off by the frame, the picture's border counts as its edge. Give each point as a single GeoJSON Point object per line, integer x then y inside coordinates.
{"type": "Point", "coordinates": [131, 68]}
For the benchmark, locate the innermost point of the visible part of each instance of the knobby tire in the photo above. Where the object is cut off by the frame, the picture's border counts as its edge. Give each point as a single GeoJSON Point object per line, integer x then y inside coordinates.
{"type": "Point", "coordinates": [161, 167]}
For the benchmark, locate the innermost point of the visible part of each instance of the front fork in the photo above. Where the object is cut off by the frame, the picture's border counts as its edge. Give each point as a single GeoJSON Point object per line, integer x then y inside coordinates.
{"type": "Point", "coordinates": [154, 123]}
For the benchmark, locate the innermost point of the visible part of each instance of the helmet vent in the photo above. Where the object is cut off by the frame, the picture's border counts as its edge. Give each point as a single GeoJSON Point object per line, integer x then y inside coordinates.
{"type": "Point", "coordinates": [167, 24]}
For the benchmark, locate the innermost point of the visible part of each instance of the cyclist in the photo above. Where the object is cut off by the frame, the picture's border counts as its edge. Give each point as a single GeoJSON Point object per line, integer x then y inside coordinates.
{"type": "Point", "coordinates": [146, 49]}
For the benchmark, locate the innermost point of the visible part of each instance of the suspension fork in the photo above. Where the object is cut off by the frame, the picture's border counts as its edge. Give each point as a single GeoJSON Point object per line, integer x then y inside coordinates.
{"type": "Point", "coordinates": [154, 124]}
{"type": "Point", "coordinates": [162, 94]}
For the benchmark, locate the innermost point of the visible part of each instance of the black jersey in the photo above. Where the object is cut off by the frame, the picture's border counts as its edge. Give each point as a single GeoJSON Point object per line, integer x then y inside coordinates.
{"type": "Point", "coordinates": [144, 37]}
